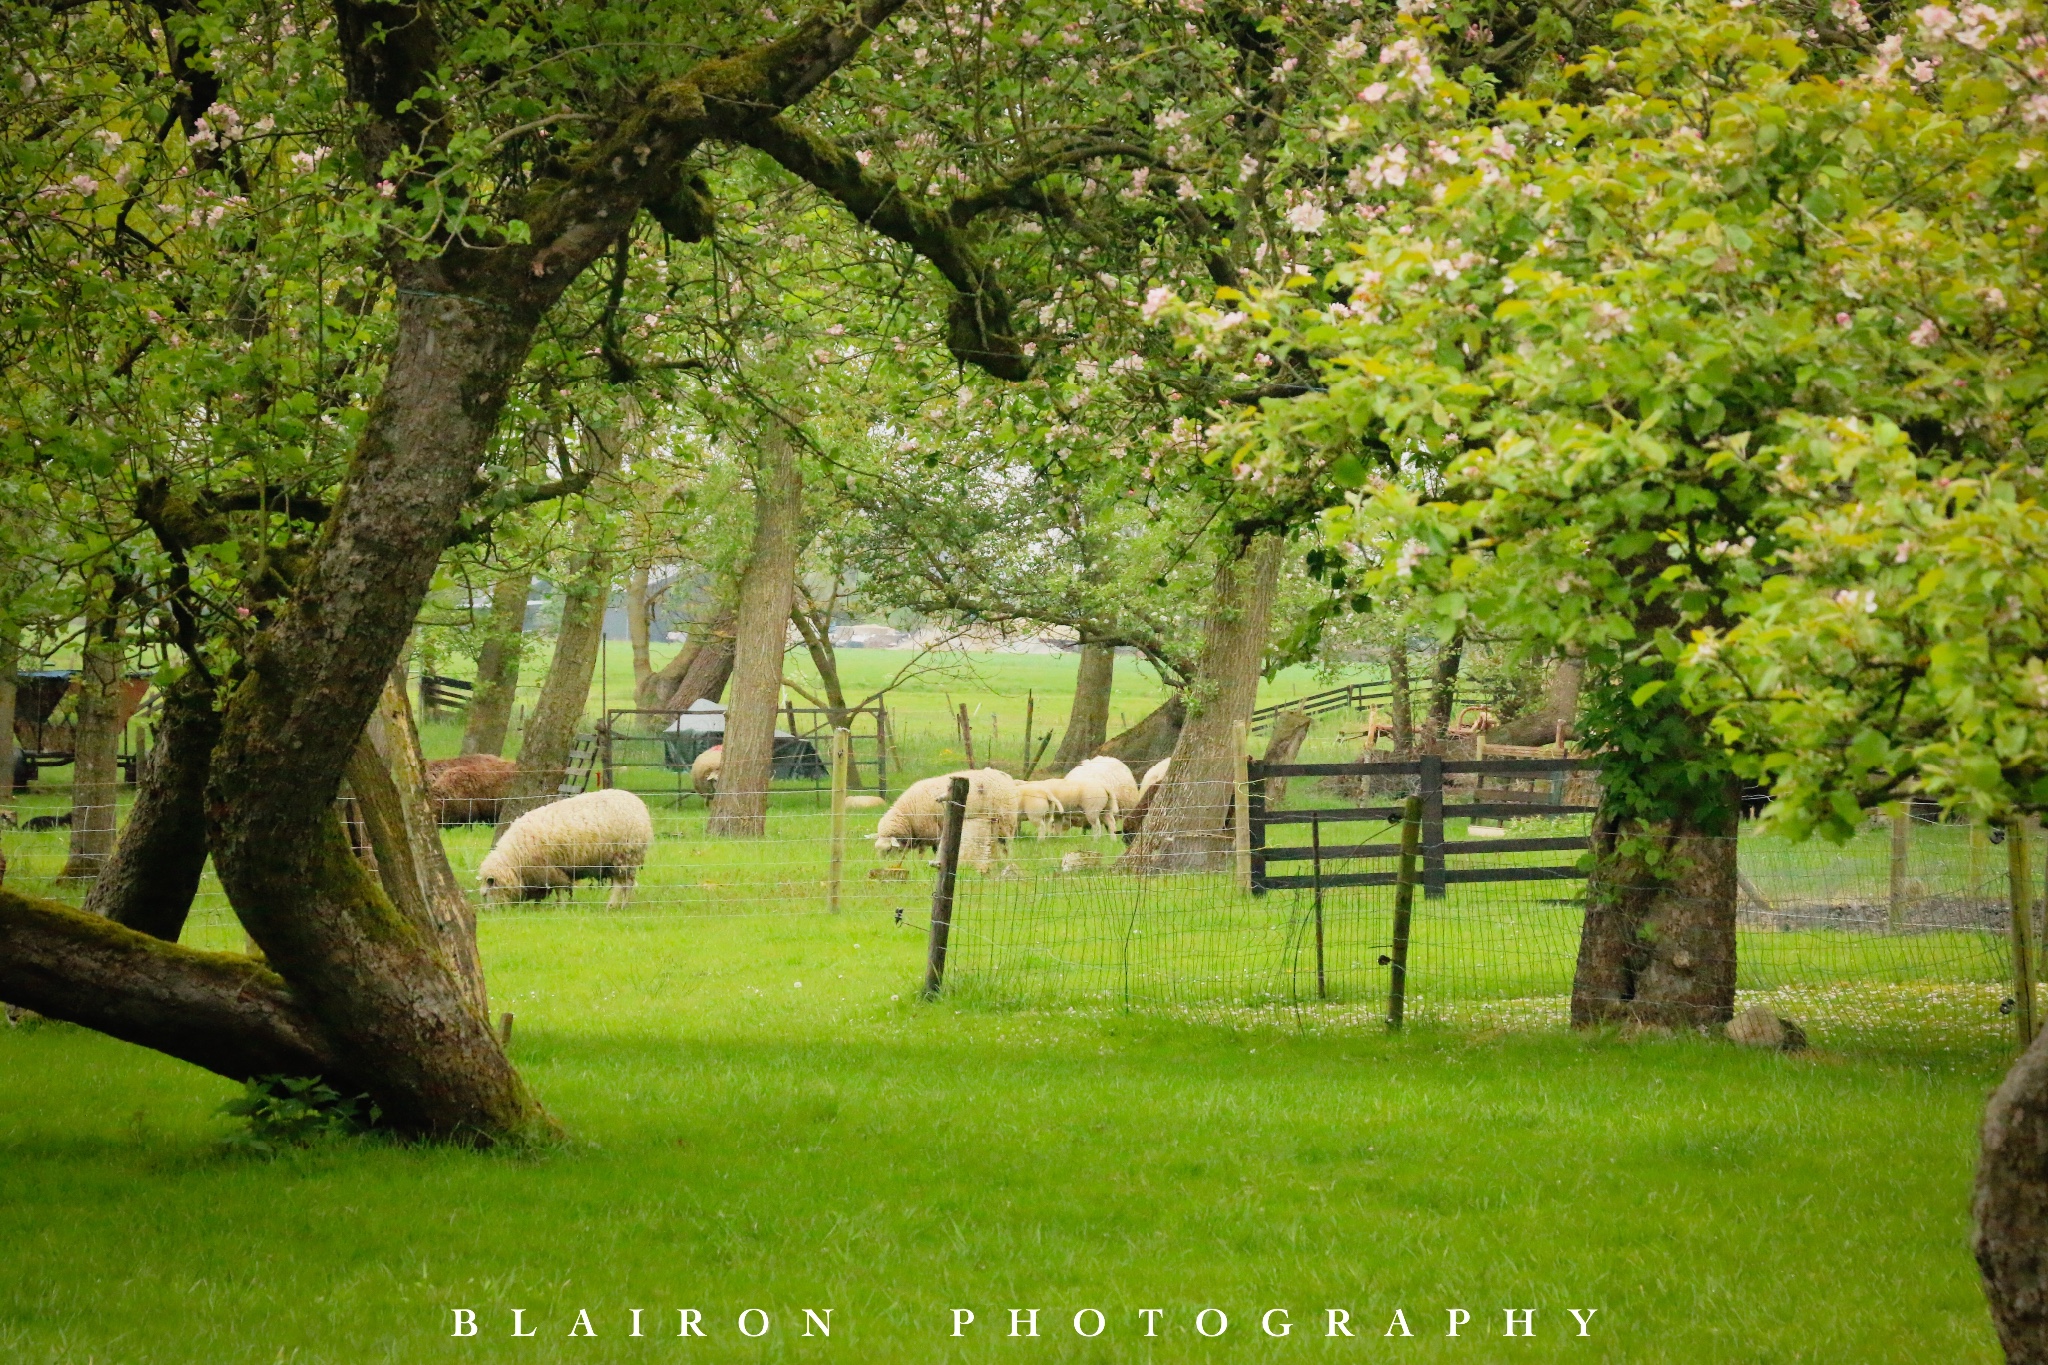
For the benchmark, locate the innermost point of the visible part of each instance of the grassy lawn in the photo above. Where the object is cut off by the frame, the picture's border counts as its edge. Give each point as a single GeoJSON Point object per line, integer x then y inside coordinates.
{"type": "Point", "coordinates": [740, 1140]}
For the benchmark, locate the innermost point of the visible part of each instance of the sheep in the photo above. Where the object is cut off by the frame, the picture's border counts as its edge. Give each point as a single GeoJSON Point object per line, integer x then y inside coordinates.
{"type": "Point", "coordinates": [1039, 803]}
{"type": "Point", "coordinates": [1113, 774]}
{"type": "Point", "coordinates": [1087, 800]}
{"type": "Point", "coordinates": [704, 772]}
{"type": "Point", "coordinates": [1154, 775]}
{"type": "Point", "coordinates": [919, 814]}
{"type": "Point", "coordinates": [468, 790]}
{"type": "Point", "coordinates": [600, 835]}
{"type": "Point", "coordinates": [865, 802]}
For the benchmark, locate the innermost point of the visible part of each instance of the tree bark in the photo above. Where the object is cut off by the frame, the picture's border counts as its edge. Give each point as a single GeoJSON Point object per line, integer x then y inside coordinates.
{"type": "Point", "coordinates": [1151, 739]}
{"type": "Point", "coordinates": [1187, 827]}
{"type": "Point", "coordinates": [1443, 690]}
{"type": "Point", "coordinates": [10, 665]}
{"type": "Point", "coordinates": [700, 669]}
{"type": "Point", "coordinates": [1290, 730]}
{"type": "Point", "coordinates": [740, 809]}
{"type": "Point", "coordinates": [564, 697]}
{"type": "Point", "coordinates": [388, 777]}
{"type": "Point", "coordinates": [1088, 722]}
{"type": "Point", "coordinates": [637, 628]}
{"type": "Point", "coordinates": [815, 626]}
{"type": "Point", "coordinates": [149, 883]}
{"type": "Point", "coordinates": [96, 748]}
{"type": "Point", "coordinates": [1658, 945]}
{"type": "Point", "coordinates": [497, 667]}
{"type": "Point", "coordinates": [1560, 705]}
{"type": "Point", "coordinates": [1400, 701]}
{"type": "Point", "coordinates": [2011, 1207]}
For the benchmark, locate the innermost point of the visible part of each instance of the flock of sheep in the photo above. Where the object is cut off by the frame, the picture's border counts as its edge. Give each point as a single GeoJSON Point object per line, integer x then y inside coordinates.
{"type": "Point", "coordinates": [1100, 794]}
{"type": "Point", "coordinates": [604, 835]}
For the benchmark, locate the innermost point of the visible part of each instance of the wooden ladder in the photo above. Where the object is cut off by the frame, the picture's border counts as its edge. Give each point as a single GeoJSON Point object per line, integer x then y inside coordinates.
{"type": "Point", "coordinates": [582, 762]}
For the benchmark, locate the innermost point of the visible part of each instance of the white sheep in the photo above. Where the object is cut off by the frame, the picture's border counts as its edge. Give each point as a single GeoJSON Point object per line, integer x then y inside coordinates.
{"type": "Point", "coordinates": [1111, 773]}
{"type": "Point", "coordinates": [918, 815]}
{"type": "Point", "coordinates": [704, 772]}
{"type": "Point", "coordinates": [1154, 775]}
{"type": "Point", "coordinates": [1086, 798]}
{"type": "Point", "coordinates": [1040, 803]}
{"type": "Point", "coordinates": [600, 835]}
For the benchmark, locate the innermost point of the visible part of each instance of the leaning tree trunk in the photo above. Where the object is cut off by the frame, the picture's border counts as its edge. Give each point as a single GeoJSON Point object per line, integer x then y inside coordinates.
{"type": "Point", "coordinates": [1187, 828]}
{"type": "Point", "coordinates": [388, 776]}
{"type": "Point", "coordinates": [497, 667]}
{"type": "Point", "coordinates": [1088, 722]}
{"type": "Point", "coordinates": [1559, 707]}
{"type": "Point", "coordinates": [767, 592]}
{"type": "Point", "coordinates": [96, 746]}
{"type": "Point", "coordinates": [402, 1023]}
{"type": "Point", "coordinates": [1151, 739]}
{"type": "Point", "coordinates": [1658, 945]}
{"type": "Point", "coordinates": [149, 883]}
{"type": "Point", "coordinates": [638, 629]}
{"type": "Point", "coordinates": [1443, 690]}
{"type": "Point", "coordinates": [2011, 1207]}
{"type": "Point", "coordinates": [698, 672]}
{"type": "Point", "coordinates": [558, 711]}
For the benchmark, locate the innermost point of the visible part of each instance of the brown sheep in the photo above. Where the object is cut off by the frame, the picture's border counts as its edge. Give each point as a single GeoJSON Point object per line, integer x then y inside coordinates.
{"type": "Point", "coordinates": [469, 789]}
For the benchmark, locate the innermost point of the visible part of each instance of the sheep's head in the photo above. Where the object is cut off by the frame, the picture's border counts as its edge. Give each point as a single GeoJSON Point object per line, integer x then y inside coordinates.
{"type": "Point", "coordinates": [886, 844]}
{"type": "Point", "coordinates": [498, 879]}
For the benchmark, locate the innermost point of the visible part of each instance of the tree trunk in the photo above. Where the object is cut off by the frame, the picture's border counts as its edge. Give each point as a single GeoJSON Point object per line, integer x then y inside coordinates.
{"type": "Point", "coordinates": [149, 883]}
{"type": "Point", "coordinates": [388, 777]}
{"type": "Point", "coordinates": [637, 628]}
{"type": "Point", "coordinates": [1088, 722]}
{"type": "Point", "coordinates": [740, 809]}
{"type": "Point", "coordinates": [10, 665]}
{"type": "Point", "coordinates": [700, 669]}
{"type": "Point", "coordinates": [399, 1017]}
{"type": "Point", "coordinates": [1400, 701]}
{"type": "Point", "coordinates": [497, 667]}
{"type": "Point", "coordinates": [1560, 705]}
{"type": "Point", "coordinates": [221, 1011]}
{"type": "Point", "coordinates": [1658, 946]}
{"type": "Point", "coordinates": [558, 711]}
{"type": "Point", "coordinates": [815, 626]}
{"type": "Point", "coordinates": [2011, 1207]}
{"type": "Point", "coordinates": [1290, 730]}
{"type": "Point", "coordinates": [96, 746]}
{"type": "Point", "coordinates": [1151, 739]}
{"type": "Point", "coordinates": [1187, 828]}
{"type": "Point", "coordinates": [1443, 690]}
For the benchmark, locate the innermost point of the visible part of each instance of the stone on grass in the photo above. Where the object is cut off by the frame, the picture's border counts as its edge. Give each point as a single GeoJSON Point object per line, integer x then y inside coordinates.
{"type": "Point", "coordinates": [1758, 1026]}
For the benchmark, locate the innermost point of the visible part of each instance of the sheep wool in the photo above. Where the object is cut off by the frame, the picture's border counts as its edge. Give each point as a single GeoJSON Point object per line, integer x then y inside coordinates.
{"type": "Point", "coordinates": [1112, 773]}
{"type": "Point", "coordinates": [918, 816]}
{"type": "Point", "coordinates": [704, 772]}
{"type": "Point", "coordinates": [600, 836]}
{"type": "Point", "coordinates": [468, 790]}
{"type": "Point", "coordinates": [1086, 799]}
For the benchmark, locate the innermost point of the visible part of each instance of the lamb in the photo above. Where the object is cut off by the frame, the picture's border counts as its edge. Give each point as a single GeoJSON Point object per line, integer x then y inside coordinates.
{"type": "Point", "coordinates": [704, 772]}
{"type": "Point", "coordinates": [1041, 805]}
{"type": "Point", "coordinates": [468, 790]}
{"type": "Point", "coordinates": [600, 835]}
{"type": "Point", "coordinates": [1086, 799]}
{"type": "Point", "coordinates": [919, 814]}
{"type": "Point", "coordinates": [1113, 774]}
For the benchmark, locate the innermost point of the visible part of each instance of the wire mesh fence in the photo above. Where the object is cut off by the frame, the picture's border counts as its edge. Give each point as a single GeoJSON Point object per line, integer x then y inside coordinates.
{"type": "Point", "coordinates": [1057, 921]}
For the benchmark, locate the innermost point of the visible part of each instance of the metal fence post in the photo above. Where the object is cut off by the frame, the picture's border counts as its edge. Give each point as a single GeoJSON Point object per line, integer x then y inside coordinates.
{"type": "Point", "coordinates": [1315, 837]}
{"type": "Point", "coordinates": [1432, 827]}
{"type": "Point", "coordinates": [1404, 911]}
{"type": "Point", "coordinates": [942, 890]}
{"type": "Point", "coordinates": [842, 741]}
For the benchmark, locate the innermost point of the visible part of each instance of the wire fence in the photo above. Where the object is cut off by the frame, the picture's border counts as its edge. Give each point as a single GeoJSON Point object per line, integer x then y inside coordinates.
{"type": "Point", "coordinates": [1058, 920]}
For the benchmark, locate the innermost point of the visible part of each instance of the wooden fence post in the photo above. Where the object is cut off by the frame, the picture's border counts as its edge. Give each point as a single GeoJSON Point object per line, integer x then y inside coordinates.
{"type": "Point", "coordinates": [1432, 827]}
{"type": "Point", "coordinates": [2021, 894]}
{"type": "Point", "coordinates": [942, 890]}
{"type": "Point", "coordinates": [1902, 836]}
{"type": "Point", "coordinates": [1404, 911]}
{"type": "Point", "coordinates": [842, 741]}
{"type": "Point", "coordinates": [1241, 807]}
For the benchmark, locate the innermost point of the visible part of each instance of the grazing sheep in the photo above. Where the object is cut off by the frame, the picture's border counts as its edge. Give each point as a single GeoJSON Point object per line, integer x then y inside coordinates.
{"type": "Point", "coordinates": [865, 802]}
{"type": "Point", "coordinates": [704, 772]}
{"type": "Point", "coordinates": [468, 790]}
{"type": "Point", "coordinates": [1154, 775]}
{"type": "Point", "coordinates": [1113, 774]}
{"type": "Point", "coordinates": [600, 835]}
{"type": "Point", "coordinates": [1039, 803]}
{"type": "Point", "coordinates": [1087, 800]}
{"type": "Point", "coordinates": [919, 814]}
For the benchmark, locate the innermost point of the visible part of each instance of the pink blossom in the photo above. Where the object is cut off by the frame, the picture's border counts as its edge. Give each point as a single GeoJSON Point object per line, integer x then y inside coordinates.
{"type": "Point", "coordinates": [1156, 302]}
{"type": "Point", "coordinates": [1925, 335]}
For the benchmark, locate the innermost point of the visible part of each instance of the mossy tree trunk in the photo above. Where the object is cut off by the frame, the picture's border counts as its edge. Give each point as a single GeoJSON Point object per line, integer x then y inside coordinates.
{"type": "Point", "coordinates": [1088, 721]}
{"type": "Point", "coordinates": [565, 694]}
{"type": "Point", "coordinates": [1187, 827]}
{"type": "Point", "coordinates": [149, 883]}
{"type": "Point", "coordinates": [698, 672]}
{"type": "Point", "coordinates": [767, 590]}
{"type": "Point", "coordinates": [1400, 700]}
{"type": "Point", "coordinates": [2011, 1207]}
{"type": "Point", "coordinates": [96, 747]}
{"type": "Point", "coordinates": [1443, 691]}
{"type": "Point", "coordinates": [497, 667]}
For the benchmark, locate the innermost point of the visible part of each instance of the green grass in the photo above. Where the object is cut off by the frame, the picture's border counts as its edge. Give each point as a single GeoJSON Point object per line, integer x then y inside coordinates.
{"type": "Point", "coordinates": [741, 1140]}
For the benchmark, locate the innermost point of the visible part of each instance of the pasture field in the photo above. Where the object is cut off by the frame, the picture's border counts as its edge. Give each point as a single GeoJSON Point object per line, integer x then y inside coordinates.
{"type": "Point", "coordinates": [760, 1115]}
